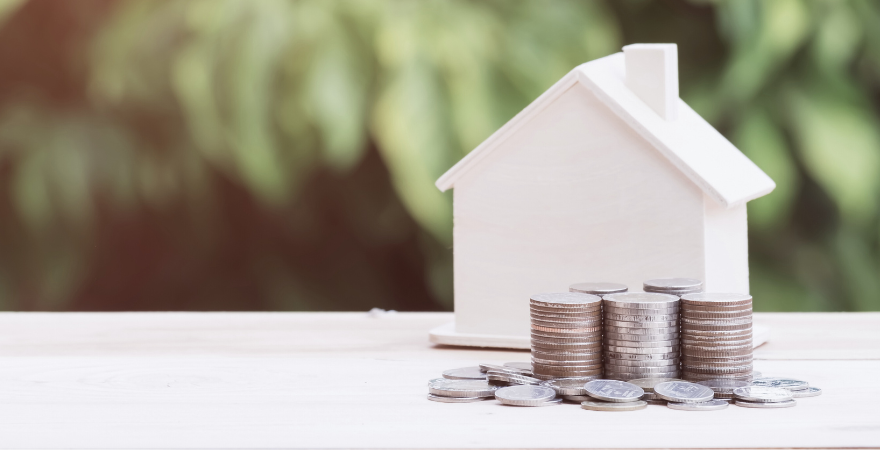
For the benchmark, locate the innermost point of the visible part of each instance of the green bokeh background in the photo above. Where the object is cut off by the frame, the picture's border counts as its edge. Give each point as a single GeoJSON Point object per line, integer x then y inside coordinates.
{"type": "Point", "coordinates": [281, 155]}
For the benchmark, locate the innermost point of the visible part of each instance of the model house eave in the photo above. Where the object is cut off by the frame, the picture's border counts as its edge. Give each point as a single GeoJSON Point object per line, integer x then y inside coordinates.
{"type": "Point", "coordinates": [690, 143]}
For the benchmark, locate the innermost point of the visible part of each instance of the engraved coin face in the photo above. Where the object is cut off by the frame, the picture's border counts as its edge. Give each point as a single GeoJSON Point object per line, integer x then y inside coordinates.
{"type": "Point", "coordinates": [762, 394]}
{"type": "Point", "coordinates": [808, 392]}
{"type": "Point", "coordinates": [711, 405]}
{"type": "Point", "coordinates": [461, 388]}
{"type": "Point", "coordinates": [613, 390]}
{"type": "Point", "coordinates": [779, 382]}
{"type": "Point", "coordinates": [605, 406]}
{"type": "Point", "coordinates": [525, 395]}
{"type": "Point", "coordinates": [597, 288]}
{"type": "Point", "coordinates": [465, 373]}
{"type": "Point", "coordinates": [683, 392]}
{"type": "Point", "coordinates": [782, 404]}
{"type": "Point", "coordinates": [563, 299]}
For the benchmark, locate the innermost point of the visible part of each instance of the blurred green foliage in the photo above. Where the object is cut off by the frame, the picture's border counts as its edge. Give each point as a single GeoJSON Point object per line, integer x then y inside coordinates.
{"type": "Point", "coordinates": [288, 100]}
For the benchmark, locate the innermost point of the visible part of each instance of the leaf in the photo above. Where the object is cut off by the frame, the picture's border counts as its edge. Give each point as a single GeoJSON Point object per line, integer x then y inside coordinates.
{"type": "Point", "coordinates": [839, 143]}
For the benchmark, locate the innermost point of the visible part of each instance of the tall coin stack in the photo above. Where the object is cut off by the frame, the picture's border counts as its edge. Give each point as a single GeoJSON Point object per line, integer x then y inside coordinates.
{"type": "Point", "coordinates": [641, 336]}
{"type": "Point", "coordinates": [566, 336]}
{"type": "Point", "coordinates": [716, 332]}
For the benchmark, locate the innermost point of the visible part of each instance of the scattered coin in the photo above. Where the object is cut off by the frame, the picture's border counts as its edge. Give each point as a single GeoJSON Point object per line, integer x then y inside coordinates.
{"type": "Point", "coordinates": [723, 385]}
{"type": "Point", "coordinates": [785, 383]}
{"type": "Point", "coordinates": [608, 406]}
{"type": "Point", "coordinates": [762, 394]}
{"type": "Point", "coordinates": [524, 395]}
{"type": "Point", "coordinates": [613, 391]}
{"type": "Point", "coordinates": [465, 373]}
{"type": "Point", "coordinates": [683, 392]}
{"type": "Point", "coordinates": [578, 398]}
{"type": "Point", "coordinates": [462, 388]}
{"type": "Point", "coordinates": [711, 405]}
{"type": "Point", "coordinates": [524, 366]}
{"type": "Point", "coordinates": [441, 399]}
{"type": "Point", "coordinates": [808, 392]}
{"type": "Point", "coordinates": [782, 404]}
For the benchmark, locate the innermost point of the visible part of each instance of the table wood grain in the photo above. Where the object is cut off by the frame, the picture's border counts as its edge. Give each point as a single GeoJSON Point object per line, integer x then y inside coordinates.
{"type": "Point", "coordinates": [293, 380]}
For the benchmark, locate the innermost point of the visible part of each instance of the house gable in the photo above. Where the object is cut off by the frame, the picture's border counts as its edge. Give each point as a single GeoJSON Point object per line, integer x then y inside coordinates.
{"type": "Point", "coordinates": [692, 145]}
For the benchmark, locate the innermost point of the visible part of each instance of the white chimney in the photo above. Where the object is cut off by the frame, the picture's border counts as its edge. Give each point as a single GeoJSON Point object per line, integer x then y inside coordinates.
{"type": "Point", "coordinates": [652, 74]}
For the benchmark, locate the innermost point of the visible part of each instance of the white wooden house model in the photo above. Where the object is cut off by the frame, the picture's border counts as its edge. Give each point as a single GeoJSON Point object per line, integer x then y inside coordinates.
{"type": "Point", "coordinates": [607, 176]}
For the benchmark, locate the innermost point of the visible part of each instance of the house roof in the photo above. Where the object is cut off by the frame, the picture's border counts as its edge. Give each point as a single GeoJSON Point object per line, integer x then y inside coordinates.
{"type": "Point", "coordinates": [696, 148]}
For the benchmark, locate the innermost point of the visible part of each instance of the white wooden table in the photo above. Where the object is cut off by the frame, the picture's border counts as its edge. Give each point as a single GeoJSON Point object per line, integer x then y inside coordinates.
{"type": "Point", "coordinates": [285, 380]}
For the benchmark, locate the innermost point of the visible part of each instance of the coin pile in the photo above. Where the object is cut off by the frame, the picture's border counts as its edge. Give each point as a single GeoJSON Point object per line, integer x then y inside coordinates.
{"type": "Point", "coordinates": [527, 395]}
{"type": "Point", "coordinates": [641, 335]}
{"type": "Point", "coordinates": [673, 286]}
{"type": "Point", "coordinates": [460, 391]}
{"type": "Point", "coordinates": [566, 332]}
{"type": "Point", "coordinates": [763, 397]}
{"type": "Point", "coordinates": [716, 333]}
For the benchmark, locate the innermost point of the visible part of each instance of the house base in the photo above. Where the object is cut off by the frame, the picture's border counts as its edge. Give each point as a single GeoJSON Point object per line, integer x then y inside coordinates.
{"type": "Point", "coordinates": [446, 335]}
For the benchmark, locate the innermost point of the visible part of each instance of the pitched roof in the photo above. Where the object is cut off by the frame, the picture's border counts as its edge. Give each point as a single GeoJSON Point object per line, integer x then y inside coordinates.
{"type": "Point", "coordinates": [696, 148]}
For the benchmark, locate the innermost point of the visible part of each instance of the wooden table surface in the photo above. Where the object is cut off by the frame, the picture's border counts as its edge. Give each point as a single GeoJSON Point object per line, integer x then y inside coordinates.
{"type": "Point", "coordinates": [287, 380]}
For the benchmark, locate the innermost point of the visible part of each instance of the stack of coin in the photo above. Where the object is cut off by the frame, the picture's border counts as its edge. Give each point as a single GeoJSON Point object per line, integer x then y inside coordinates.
{"type": "Point", "coordinates": [600, 289]}
{"type": "Point", "coordinates": [460, 391]}
{"type": "Point", "coordinates": [566, 335]}
{"type": "Point", "coordinates": [641, 336]}
{"type": "Point", "coordinates": [716, 332]}
{"type": "Point", "coordinates": [673, 286]}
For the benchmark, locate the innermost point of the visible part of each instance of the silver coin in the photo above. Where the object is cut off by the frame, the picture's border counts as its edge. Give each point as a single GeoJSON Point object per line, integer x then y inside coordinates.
{"type": "Point", "coordinates": [722, 385]}
{"type": "Point", "coordinates": [671, 310]}
{"type": "Point", "coordinates": [465, 373]}
{"type": "Point", "coordinates": [599, 289]}
{"type": "Point", "coordinates": [567, 386]}
{"type": "Point", "coordinates": [673, 283]}
{"type": "Point", "coordinates": [635, 357]}
{"type": "Point", "coordinates": [716, 298]}
{"type": "Point", "coordinates": [564, 299]}
{"type": "Point", "coordinates": [650, 396]}
{"type": "Point", "coordinates": [641, 337]}
{"type": "Point", "coordinates": [505, 369]}
{"type": "Point", "coordinates": [640, 300]}
{"type": "Point", "coordinates": [578, 398]}
{"type": "Point", "coordinates": [524, 395]}
{"type": "Point", "coordinates": [610, 367]}
{"type": "Point", "coordinates": [641, 350]}
{"type": "Point", "coordinates": [683, 392]}
{"type": "Point", "coordinates": [653, 363]}
{"type": "Point", "coordinates": [553, 402]}
{"type": "Point", "coordinates": [607, 406]}
{"type": "Point", "coordinates": [567, 324]}
{"type": "Point", "coordinates": [609, 329]}
{"type": "Point", "coordinates": [643, 318]}
{"type": "Point", "coordinates": [711, 405]}
{"type": "Point", "coordinates": [622, 324]}
{"type": "Point", "coordinates": [647, 384]}
{"type": "Point", "coordinates": [779, 382]}
{"type": "Point", "coordinates": [624, 376]}
{"type": "Point", "coordinates": [762, 394]}
{"type": "Point", "coordinates": [561, 330]}
{"type": "Point", "coordinates": [555, 377]}
{"type": "Point", "coordinates": [521, 365]}
{"type": "Point", "coordinates": [782, 404]}
{"type": "Point", "coordinates": [438, 398]}
{"type": "Point", "coordinates": [641, 344]}
{"type": "Point", "coordinates": [613, 391]}
{"type": "Point", "coordinates": [462, 388]}
{"type": "Point", "coordinates": [581, 364]}
{"type": "Point", "coordinates": [808, 392]}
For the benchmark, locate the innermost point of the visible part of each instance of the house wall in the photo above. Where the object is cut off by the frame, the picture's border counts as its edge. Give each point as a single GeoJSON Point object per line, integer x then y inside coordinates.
{"type": "Point", "coordinates": [726, 248]}
{"type": "Point", "coordinates": [574, 195]}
